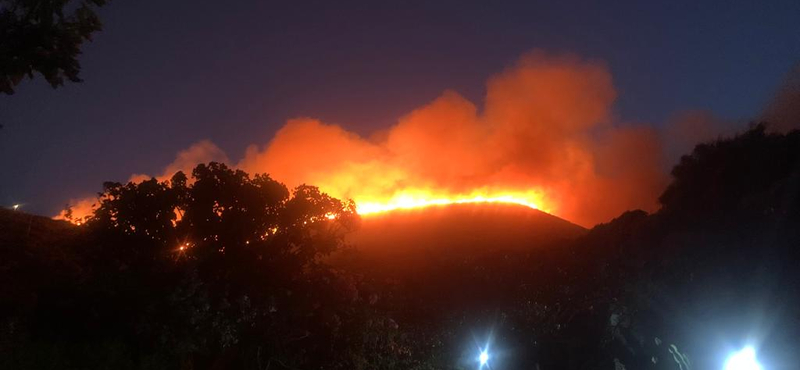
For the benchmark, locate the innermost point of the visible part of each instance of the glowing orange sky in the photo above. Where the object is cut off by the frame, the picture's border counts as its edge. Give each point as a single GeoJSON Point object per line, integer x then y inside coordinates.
{"type": "Point", "coordinates": [545, 137]}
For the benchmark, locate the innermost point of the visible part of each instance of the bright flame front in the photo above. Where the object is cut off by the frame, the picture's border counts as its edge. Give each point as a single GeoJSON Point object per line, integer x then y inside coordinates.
{"type": "Point", "coordinates": [411, 199]}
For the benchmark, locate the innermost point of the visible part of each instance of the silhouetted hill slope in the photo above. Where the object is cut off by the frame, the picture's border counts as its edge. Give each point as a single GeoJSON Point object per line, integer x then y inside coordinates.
{"type": "Point", "coordinates": [36, 254]}
{"type": "Point", "coordinates": [716, 267]}
{"type": "Point", "coordinates": [26, 237]}
{"type": "Point", "coordinates": [407, 244]}
{"type": "Point", "coordinates": [462, 227]}
{"type": "Point", "coordinates": [20, 228]}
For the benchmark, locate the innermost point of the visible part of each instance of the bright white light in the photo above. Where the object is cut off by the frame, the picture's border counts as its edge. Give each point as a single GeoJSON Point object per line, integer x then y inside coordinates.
{"type": "Point", "coordinates": [484, 357]}
{"type": "Point", "coordinates": [15, 207]}
{"type": "Point", "coordinates": [743, 360]}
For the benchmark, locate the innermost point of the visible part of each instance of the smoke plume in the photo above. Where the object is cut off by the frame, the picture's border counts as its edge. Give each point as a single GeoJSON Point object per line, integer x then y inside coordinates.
{"type": "Point", "coordinates": [545, 129]}
{"type": "Point", "coordinates": [545, 125]}
{"type": "Point", "coordinates": [200, 152]}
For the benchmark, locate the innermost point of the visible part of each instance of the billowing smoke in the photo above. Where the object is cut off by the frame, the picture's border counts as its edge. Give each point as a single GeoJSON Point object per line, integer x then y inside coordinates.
{"type": "Point", "coordinates": [545, 125]}
{"type": "Point", "coordinates": [545, 128]}
{"type": "Point", "coordinates": [200, 152]}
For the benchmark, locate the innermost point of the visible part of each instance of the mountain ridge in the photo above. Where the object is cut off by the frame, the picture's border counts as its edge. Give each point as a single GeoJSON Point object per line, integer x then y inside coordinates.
{"type": "Point", "coordinates": [497, 226]}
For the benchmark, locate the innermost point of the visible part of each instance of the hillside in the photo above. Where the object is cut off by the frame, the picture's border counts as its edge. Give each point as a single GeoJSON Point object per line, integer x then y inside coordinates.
{"type": "Point", "coordinates": [37, 254]}
{"type": "Point", "coordinates": [20, 228]}
{"type": "Point", "coordinates": [461, 227]}
{"type": "Point", "coordinates": [713, 270]}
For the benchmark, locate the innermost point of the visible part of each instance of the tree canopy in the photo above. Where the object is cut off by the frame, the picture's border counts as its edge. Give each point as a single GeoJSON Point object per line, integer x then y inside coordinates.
{"type": "Point", "coordinates": [44, 36]}
{"type": "Point", "coordinates": [221, 269]}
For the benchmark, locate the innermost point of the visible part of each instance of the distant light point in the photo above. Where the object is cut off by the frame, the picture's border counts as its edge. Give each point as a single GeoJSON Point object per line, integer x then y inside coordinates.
{"type": "Point", "coordinates": [484, 357]}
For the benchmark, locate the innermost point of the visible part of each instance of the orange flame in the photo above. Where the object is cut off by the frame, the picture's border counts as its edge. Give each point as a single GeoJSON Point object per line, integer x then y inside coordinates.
{"type": "Point", "coordinates": [543, 138]}
{"type": "Point", "coordinates": [411, 198]}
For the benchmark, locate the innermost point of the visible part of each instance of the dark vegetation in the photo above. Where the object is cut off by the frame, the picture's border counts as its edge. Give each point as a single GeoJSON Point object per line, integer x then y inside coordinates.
{"type": "Point", "coordinates": [44, 36]}
{"type": "Point", "coordinates": [265, 279]}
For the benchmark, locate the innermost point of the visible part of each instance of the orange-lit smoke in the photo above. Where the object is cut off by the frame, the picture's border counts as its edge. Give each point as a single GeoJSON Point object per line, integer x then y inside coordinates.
{"type": "Point", "coordinates": [544, 137]}
{"type": "Point", "coordinates": [200, 152]}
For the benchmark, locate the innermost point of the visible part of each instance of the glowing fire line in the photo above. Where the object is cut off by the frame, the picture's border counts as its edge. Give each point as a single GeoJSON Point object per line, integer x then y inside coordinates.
{"type": "Point", "coordinates": [411, 201]}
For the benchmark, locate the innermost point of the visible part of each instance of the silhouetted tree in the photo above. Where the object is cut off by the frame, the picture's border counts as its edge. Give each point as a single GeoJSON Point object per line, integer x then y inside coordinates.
{"type": "Point", "coordinates": [44, 36]}
{"type": "Point", "coordinates": [240, 256]}
{"type": "Point", "coordinates": [222, 269]}
{"type": "Point", "coordinates": [752, 173]}
{"type": "Point", "coordinates": [226, 270]}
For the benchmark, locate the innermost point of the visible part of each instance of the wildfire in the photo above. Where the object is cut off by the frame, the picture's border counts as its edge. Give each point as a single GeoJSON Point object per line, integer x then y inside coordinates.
{"type": "Point", "coordinates": [545, 137]}
{"type": "Point", "coordinates": [411, 199]}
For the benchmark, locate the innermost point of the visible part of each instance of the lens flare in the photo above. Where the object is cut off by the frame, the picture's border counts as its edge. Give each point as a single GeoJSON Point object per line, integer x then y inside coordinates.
{"type": "Point", "coordinates": [743, 360]}
{"type": "Point", "coordinates": [483, 358]}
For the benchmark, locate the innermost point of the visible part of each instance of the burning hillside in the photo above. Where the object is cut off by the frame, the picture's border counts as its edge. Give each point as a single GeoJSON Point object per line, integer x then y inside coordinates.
{"type": "Point", "coordinates": [545, 138]}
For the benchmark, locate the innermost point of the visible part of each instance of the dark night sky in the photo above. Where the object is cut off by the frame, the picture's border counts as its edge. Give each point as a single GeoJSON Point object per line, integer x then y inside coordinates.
{"type": "Point", "coordinates": [165, 74]}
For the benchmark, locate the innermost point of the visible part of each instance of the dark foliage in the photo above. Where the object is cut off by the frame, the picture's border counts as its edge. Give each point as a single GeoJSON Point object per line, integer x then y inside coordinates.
{"type": "Point", "coordinates": [225, 270]}
{"type": "Point", "coordinates": [44, 36]}
{"type": "Point", "coordinates": [754, 173]}
{"type": "Point", "coordinates": [674, 290]}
